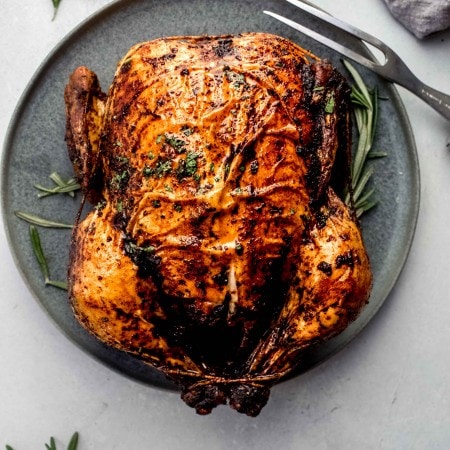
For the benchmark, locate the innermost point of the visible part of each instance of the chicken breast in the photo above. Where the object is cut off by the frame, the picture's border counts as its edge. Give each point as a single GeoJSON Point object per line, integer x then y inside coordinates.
{"type": "Point", "coordinates": [219, 248]}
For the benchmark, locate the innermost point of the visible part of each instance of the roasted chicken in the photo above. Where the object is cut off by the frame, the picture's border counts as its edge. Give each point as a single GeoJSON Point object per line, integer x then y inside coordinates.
{"type": "Point", "coordinates": [219, 248]}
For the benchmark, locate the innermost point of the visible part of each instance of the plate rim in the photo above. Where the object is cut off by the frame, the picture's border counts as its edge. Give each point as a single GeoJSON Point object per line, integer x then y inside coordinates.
{"type": "Point", "coordinates": [6, 153]}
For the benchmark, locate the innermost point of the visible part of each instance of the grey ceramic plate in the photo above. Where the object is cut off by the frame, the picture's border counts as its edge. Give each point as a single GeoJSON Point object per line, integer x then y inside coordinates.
{"type": "Point", "coordinates": [35, 147]}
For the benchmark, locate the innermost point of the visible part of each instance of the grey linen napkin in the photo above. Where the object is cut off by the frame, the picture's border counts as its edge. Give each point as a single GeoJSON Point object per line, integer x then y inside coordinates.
{"type": "Point", "coordinates": [422, 17]}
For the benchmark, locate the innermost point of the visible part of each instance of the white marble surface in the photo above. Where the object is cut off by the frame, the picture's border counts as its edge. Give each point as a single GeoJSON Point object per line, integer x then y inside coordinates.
{"type": "Point", "coordinates": [389, 389]}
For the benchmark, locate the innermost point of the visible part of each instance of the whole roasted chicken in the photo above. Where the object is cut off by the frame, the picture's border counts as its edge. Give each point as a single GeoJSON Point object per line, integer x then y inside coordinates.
{"type": "Point", "coordinates": [219, 248]}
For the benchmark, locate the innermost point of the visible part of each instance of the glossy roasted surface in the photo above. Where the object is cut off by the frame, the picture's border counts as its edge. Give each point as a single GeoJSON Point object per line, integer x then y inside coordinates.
{"type": "Point", "coordinates": [219, 249]}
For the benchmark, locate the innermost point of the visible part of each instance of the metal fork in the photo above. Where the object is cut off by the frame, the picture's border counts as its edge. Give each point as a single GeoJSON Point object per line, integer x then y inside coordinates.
{"type": "Point", "coordinates": [393, 69]}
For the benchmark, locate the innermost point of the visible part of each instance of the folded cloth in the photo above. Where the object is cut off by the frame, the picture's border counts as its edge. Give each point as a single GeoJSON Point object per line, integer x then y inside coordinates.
{"type": "Point", "coordinates": [422, 17]}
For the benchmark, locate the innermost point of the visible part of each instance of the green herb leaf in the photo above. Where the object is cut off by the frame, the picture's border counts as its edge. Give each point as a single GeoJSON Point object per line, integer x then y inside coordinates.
{"type": "Point", "coordinates": [42, 261]}
{"type": "Point", "coordinates": [176, 143]}
{"type": "Point", "coordinates": [188, 167]}
{"type": "Point", "coordinates": [52, 445]}
{"type": "Point", "coordinates": [186, 130]}
{"type": "Point", "coordinates": [38, 252]}
{"type": "Point", "coordinates": [40, 221]}
{"type": "Point", "coordinates": [372, 154]}
{"type": "Point", "coordinates": [56, 4]}
{"type": "Point", "coordinates": [329, 107]}
{"type": "Point", "coordinates": [120, 180]}
{"type": "Point", "coordinates": [58, 284]}
{"type": "Point", "coordinates": [365, 107]}
{"type": "Point", "coordinates": [73, 444]}
{"type": "Point", "coordinates": [237, 79]}
{"type": "Point", "coordinates": [62, 186]}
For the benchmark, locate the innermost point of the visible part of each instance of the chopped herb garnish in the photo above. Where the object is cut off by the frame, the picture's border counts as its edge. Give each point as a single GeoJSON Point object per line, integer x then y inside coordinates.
{"type": "Point", "coordinates": [329, 107]}
{"type": "Point", "coordinates": [186, 130]}
{"type": "Point", "coordinates": [238, 79]}
{"type": "Point", "coordinates": [161, 168]}
{"type": "Point", "coordinates": [211, 167]}
{"type": "Point", "coordinates": [151, 155]}
{"type": "Point", "coordinates": [168, 188]}
{"type": "Point", "coordinates": [148, 171]}
{"type": "Point", "coordinates": [177, 207]}
{"type": "Point", "coordinates": [188, 167]}
{"type": "Point", "coordinates": [100, 205]}
{"type": "Point", "coordinates": [156, 203]}
{"type": "Point", "coordinates": [119, 206]}
{"type": "Point", "coordinates": [133, 248]}
{"type": "Point", "coordinates": [254, 166]}
{"type": "Point", "coordinates": [119, 180]}
{"type": "Point", "coordinates": [176, 143]}
{"type": "Point", "coordinates": [173, 141]}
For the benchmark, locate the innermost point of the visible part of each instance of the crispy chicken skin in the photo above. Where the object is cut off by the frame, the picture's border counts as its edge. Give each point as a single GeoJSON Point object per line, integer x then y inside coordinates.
{"type": "Point", "coordinates": [218, 249]}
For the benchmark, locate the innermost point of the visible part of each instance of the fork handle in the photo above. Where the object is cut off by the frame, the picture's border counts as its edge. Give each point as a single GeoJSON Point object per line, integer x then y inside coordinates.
{"type": "Point", "coordinates": [397, 71]}
{"type": "Point", "coordinates": [436, 99]}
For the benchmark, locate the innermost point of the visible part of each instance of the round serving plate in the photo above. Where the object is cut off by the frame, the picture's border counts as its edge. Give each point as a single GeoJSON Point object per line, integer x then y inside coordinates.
{"type": "Point", "coordinates": [35, 147]}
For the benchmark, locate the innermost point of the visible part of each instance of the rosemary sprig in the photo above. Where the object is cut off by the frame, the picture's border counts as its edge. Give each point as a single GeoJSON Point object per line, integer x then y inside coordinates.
{"type": "Point", "coordinates": [40, 221]}
{"type": "Point", "coordinates": [365, 107]}
{"type": "Point", "coordinates": [73, 444]}
{"type": "Point", "coordinates": [62, 186]}
{"type": "Point", "coordinates": [42, 261]}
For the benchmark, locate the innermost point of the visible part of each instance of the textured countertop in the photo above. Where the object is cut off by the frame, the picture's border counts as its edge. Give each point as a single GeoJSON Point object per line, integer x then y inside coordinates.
{"type": "Point", "coordinates": [388, 389]}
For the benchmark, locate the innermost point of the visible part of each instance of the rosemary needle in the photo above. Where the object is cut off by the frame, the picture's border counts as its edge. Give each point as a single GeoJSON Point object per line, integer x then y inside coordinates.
{"type": "Point", "coordinates": [73, 444]}
{"type": "Point", "coordinates": [42, 261]}
{"type": "Point", "coordinates": [68, 186]}
{"type": "Point", "coordinates": [55, 8]}
{"type": "Point", "coordinates": [52, 445]}
{"type": "Point", "coordinates": [40, 221]}
{"type": "Point", "coordinates": [62, 186]}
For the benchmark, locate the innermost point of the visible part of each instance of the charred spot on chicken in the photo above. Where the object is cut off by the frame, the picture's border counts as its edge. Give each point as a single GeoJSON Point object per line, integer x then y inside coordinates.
{"type": "Point", "coordinates": [220, 250]}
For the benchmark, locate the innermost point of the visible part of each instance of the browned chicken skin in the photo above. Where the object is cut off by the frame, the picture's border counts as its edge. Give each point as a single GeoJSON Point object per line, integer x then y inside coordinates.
{"type": "Point", "coordinates": [218, 250]}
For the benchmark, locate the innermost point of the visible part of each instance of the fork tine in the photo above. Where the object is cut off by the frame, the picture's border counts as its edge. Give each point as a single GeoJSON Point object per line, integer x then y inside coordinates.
{"type": "Point", "coordinates": [337, 23]}
{"type": "Point", "coordinates": [326, 41]}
